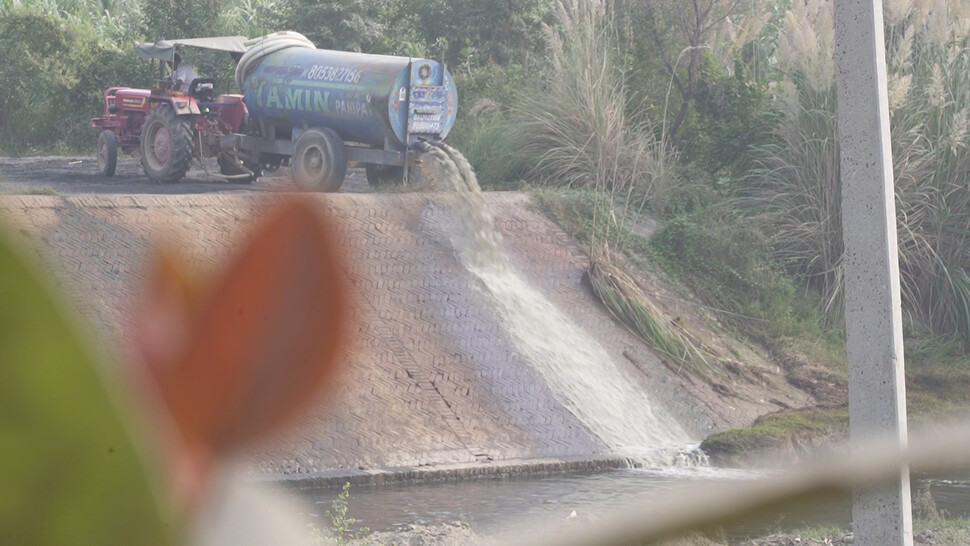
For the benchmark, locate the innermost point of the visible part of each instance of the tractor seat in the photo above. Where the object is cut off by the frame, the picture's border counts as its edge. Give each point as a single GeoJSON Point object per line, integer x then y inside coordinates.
{"type": "Point", "coordinates": [203, 89]}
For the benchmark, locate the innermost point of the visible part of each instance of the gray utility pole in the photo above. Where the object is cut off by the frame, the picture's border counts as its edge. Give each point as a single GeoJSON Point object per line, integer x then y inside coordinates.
{"type": "Point", "coordinates": [882, 514]}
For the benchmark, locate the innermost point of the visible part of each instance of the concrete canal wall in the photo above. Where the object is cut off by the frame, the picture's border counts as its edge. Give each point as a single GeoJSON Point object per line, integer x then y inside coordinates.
{"type": "Point", "coordinates": [436, 372]}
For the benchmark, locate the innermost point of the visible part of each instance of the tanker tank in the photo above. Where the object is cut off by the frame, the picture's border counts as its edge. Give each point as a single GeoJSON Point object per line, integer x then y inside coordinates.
{"type": "Point", "coordinates": [378, 101]}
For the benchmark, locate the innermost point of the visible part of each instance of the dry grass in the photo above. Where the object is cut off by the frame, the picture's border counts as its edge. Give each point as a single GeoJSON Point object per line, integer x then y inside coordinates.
{"type": "Point", "coordinates": [672, 341]}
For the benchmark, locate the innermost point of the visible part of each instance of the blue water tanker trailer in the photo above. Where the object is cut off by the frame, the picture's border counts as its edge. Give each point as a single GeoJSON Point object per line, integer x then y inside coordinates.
{"type": "Point", "coordinates": [319, 110]}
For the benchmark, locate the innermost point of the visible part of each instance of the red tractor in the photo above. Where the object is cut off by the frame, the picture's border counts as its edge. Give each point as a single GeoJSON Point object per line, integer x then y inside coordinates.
{"type": "Point", "coordinates": [170, 127]}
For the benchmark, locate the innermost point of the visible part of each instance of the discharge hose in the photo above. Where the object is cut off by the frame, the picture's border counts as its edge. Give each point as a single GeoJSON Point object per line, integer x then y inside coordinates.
{"type": "Point", "coordinates": [266, 45]}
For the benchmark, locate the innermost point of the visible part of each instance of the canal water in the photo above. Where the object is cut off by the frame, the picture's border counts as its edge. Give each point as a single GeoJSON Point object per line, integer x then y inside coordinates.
{"type": "Point", "coordinates": [494, 507]}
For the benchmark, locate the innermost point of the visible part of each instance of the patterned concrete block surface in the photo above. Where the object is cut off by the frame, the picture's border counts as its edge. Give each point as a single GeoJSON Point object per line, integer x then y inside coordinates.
{"type": "Point", "coordinates": [441, 367]}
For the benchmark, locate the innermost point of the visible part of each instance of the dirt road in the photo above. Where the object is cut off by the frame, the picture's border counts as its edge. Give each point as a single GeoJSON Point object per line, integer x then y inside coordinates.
{"type": "Point", "coordinates": [64, 175]}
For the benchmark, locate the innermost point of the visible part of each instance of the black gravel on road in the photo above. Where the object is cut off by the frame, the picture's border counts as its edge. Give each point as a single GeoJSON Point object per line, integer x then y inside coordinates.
{"type": "Point", "coordinates": [62, 175]}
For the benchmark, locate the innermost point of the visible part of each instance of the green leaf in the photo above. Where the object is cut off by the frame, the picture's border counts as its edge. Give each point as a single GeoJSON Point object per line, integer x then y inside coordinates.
{"type": "Point", "coordinates": [70, 473]}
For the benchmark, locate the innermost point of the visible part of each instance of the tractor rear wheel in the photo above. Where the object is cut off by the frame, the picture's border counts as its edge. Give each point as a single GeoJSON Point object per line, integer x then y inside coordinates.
{"type": "Point", "coordinates": [107, 153]}
{"type": "Point", "coordinates": [320, 161]}
{"type": "Point", "coordinates": [166, 144]}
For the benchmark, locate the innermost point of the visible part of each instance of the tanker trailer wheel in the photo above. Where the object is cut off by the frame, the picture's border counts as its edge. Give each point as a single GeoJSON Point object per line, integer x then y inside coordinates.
{"type": "Point", "coordinates": [107, 153]}
{"type": "Point", "coordinates": [320, 160]}
{"type": "Point", "coordinates": [166, 144]}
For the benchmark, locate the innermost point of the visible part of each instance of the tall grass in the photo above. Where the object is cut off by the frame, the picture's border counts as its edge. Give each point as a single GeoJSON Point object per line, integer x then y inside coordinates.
{"type": "Point", "coordinates": [796, 189]}
{"type": "Point", "coordinates": [796, 186]}
{"type": "Point", "coordinates": [931, 131]}
{"type": "Point", "coordinates": [575, 127]}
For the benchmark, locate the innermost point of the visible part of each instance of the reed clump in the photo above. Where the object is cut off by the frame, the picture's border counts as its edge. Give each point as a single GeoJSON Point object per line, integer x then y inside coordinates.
{"type": "Point", "coordinates": [796, 186]}
{"type": "Point", "coordinates": [577, 131]}
{"type": "Point", "coordinates": [623, 298]}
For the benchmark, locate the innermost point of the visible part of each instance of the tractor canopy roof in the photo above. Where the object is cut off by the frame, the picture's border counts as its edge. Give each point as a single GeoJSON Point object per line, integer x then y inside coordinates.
{"type": "Point", "coordinates": [165, 49]}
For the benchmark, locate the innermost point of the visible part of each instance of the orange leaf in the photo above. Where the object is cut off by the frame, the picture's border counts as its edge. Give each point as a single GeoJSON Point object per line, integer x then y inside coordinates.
{"type": "Point", "coordinates": [166, 312]}
{"type": "Point", "coordinates": [265, 339]}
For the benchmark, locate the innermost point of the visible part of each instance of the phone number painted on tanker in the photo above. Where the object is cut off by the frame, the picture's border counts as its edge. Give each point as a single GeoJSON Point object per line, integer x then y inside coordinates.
{"type": "Point", "coordinates": [337, 74]}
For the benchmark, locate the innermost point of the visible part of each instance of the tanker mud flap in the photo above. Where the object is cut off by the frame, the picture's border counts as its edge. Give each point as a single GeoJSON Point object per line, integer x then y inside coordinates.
{"type": "Point", "coordinates": [248, 143]}
{"type": "Point", "coordinates": [376, 156]}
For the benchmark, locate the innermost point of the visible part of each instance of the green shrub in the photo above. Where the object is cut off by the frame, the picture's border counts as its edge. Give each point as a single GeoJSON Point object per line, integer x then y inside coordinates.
{"type": "Point", "coordinates": [252, 18]}
{"type": "Point", "coordinates": [36, 75]}
{"type": "Point", "coordinates": [180, 18]}
{"type": "Point", "coordinates": [341, 529]}
{"type": "Point", "coordinates": [729, 116]}
{"type": "Point", "coordinates": [491, 146]}
{"type": "Point", "coordinates": [579, 213]}
{"type": "Point", "coordinates": [54, 72]}
{"type": "Point", "coordinates": [485, 132]}
{"type": "Point", "coordinates": [724, 259]}
{"type": "Point", "coordinates": [691, 189]}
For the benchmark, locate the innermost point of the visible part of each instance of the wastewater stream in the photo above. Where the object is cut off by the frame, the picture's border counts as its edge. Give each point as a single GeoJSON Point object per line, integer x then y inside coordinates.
{"type": "Point", "coordinates": [580, 372]}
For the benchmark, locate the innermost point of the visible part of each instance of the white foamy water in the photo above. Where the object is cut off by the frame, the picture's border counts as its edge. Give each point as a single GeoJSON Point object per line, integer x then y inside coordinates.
{"type": "Point", "coordinates": [579, 371]}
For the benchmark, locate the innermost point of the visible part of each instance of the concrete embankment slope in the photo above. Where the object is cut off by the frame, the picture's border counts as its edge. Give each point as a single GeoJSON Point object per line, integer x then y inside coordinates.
{"type": "Point", "coordinates": [436, 373]}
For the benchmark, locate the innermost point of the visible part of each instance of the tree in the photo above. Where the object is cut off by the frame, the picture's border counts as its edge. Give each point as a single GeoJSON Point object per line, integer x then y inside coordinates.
{"type": "Point", "coordinates": [181, 18]}
{"type": "Point", "coordinates": [680, 32]}
{"type": "Point", "coordinates": [348, 25]}
{"type": "Point", "coordinates": [52, 72]}
{"type": "Point", "coordinates": [481, 31]}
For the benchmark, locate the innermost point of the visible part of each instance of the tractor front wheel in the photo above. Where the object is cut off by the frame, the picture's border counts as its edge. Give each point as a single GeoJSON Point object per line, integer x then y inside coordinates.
{"type": "Point", "coordinates": [320, 161]}
{"type": "Point", "coordinates": [166, 144]}
{"type": "Point", "coordinates": [107, 153]}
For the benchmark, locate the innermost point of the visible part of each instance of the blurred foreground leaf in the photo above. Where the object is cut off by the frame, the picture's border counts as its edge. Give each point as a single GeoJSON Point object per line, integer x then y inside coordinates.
{"type": "Point", "coordinates": [236, 357]}
{"type": "Point", "coordinates": [69, 471]}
